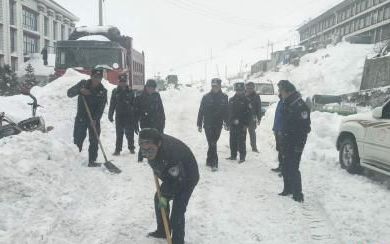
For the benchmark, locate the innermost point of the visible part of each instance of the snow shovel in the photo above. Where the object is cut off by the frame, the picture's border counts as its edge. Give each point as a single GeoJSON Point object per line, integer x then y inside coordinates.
{"type": "Point", "coordinates": [109, 165]}
{"type": "Point", "coordinates": [163, 213]}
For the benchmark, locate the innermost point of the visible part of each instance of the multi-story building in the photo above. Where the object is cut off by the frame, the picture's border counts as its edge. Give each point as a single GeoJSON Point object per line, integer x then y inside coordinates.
{"type": "Point", "coordinates": [26, 26]}
{"type": "Point", "coordinates": [364, 21]}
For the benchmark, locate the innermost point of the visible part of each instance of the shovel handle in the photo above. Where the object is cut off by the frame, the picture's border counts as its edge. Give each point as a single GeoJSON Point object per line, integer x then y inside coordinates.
{"type": "Point", "coordinates": [163, 213]}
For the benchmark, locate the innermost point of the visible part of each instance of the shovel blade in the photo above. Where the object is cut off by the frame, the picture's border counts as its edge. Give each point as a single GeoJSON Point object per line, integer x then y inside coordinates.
{"type": "Point", "coordinates": [112, 168]}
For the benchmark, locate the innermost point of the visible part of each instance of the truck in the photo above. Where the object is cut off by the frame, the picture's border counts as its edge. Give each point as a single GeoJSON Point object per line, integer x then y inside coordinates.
{"type": "Point", "coordinates": [101, 46]}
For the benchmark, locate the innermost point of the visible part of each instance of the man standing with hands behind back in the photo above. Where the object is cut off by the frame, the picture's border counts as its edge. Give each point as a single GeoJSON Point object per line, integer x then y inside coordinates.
{"type": "Point", "coordinates": [213, 112]}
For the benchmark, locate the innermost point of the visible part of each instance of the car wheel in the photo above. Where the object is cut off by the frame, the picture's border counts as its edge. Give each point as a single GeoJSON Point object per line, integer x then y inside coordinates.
{"type": "Point", "coordinates": [349, 155]}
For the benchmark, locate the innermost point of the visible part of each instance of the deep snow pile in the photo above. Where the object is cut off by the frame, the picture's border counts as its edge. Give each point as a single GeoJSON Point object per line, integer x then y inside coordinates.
{"type": "Point", "coordinates": [48, 195]}
{"type": "Point", "coordinates": [37, 63]}
{"type": "Point", "coordinates": [334, 70]}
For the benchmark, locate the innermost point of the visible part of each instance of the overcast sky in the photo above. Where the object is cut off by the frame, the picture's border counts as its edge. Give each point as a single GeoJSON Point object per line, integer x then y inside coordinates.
{"type": "Point", "coordinates": [178, 36]}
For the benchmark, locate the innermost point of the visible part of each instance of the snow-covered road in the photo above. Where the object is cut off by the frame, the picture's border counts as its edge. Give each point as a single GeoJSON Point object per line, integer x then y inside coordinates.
{"type": "Point", "coordinates": [48, 195]}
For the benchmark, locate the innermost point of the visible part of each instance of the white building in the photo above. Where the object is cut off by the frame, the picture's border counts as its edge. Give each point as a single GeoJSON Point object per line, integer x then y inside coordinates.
{"type": "Point", "coordinates": [26, 26]}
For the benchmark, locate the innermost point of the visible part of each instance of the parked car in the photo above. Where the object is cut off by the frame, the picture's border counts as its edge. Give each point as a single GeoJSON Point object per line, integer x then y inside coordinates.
{"type": "Point", "coordinates": [364, 141]}
{"type": "Point", "coordinates": [267, 94]}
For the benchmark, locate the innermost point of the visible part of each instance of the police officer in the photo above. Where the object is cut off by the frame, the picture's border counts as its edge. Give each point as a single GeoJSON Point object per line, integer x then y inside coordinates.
{"type": "Point", "coordinates": [150, 109]}
{"type": "Point", "coordinates": [174, 163]}
{"type": "Point", "coordinates": [278, 132]}
{"type": "Point", "coordinates": [239, 118]}
{"type": "Point", "coordinates": [96, 97]}
{"type": "Point", "coordinates": [122, 104]}
{"type": "Point", "coordinates": [296, 127]}
{"type": "Point", "coordinates": [213, 112]}
{"type": "Point", "coordinates": [255, 107]}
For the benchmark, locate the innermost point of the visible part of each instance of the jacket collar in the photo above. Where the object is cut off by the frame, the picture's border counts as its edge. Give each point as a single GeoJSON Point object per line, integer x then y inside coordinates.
{"type": "Point", "coordinates": [293, 98]}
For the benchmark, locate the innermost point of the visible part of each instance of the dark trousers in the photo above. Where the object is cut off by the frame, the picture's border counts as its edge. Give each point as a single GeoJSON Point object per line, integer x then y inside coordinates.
{"type": "Point", "coordinates": [252, 133]}
{"type": "Point", "coordinates": [177, 216]}
{"type": "Point", "coordinates": [45, 62]}
{"type": "Point", "coordinates": [124, 127]}
{"type": "Point", "coordinates": [212, 135]}
{"type": "Point", "coordinates": [290, 169]}
{"type": "Point", "coordinates": [238, 141]}
{"type": "Point", "coordinates": [278, 141]}
{"type": "Point", "coordinates": [80, 133]}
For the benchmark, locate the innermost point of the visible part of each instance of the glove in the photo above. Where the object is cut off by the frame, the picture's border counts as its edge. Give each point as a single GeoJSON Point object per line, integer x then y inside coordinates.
{"type": "Point", "coordinates": [163, 202]}
{"type": "Point", "coordinates": [111, 119]}
{"type": "Point", "coordinates": [200, 129]}
{"type": "Point", "coordinates": [258, 121]}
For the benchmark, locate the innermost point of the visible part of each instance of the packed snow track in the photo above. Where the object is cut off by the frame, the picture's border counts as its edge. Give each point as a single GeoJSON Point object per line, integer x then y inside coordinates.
{"type": "Point", "coordinates": [48, 195]}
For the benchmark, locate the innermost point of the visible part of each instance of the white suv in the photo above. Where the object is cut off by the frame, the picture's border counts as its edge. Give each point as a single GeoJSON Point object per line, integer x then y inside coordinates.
{"type": "Point", "coordinates": [364, 140]}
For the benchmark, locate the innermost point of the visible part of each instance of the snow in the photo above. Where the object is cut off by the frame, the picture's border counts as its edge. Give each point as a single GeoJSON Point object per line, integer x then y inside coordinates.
{"type": "Point", "coordinates": [333, 70]}
{"type": "Point", "coordinates": [37, 63]}
{"type": "Point", "coordinates": [94, 38]}
{"type": "Point", "coordinates": [48, 195]}
{"type": "Point", "coordinates": [94, 29]}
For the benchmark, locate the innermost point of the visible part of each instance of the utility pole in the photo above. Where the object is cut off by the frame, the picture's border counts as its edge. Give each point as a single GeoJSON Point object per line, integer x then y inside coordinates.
{"type": "Point", "coordinates": [101, 12]}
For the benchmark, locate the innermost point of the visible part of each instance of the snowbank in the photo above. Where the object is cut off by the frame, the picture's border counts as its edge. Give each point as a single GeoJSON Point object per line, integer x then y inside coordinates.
{"type": "Point", "coordinates": [37, 63]}
{"type": "Point", "coordinates": [334, 70]}
{"type": "Point", "coordinates": [99, 38]}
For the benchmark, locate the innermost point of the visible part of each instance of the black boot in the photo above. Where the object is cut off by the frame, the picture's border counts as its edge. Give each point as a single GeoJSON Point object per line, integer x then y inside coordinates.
{"type": "Point", "coordinates": [277, 169]}
{"type": "Point", "coordinates": [116, 153]}
{"type": "Point", "coordinates": [93, 165]}
{"type": "Point", "coordinates": [241, 161]}
{"type": "Point", "coordinates": [284, 193]}
{"type": "Point", "coordinates": [157, 234]}
{"type": "Point", "coordinates": [298, 197]}
{"type": "Point", "coordinates": [232, 158]}
{"type": "Point", "coordinates": [132, 151]}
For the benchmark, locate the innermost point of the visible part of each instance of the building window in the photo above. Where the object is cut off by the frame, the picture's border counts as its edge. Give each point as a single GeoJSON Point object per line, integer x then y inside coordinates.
{"type": "Point", "coordinates": [12, 12]}
{"type": "Point", "coordinates": [55, 30]}
{"type": "Point", "coordinates": [14, 64]}
{"type": "Point", "coordinates": [13, 40]}
{"type": "Point", "coordinates": [30, 19]}
{"type": "Point", "coordinates": [387, 13]}
{"type": "Point", "coordinates": [1, 38]}
{"type": "Point", "coordinates": [63, 37]}
{"type": "Point", "coordinates": [46, 26]}
{"type": "Point", "coordinates": [30, 44]}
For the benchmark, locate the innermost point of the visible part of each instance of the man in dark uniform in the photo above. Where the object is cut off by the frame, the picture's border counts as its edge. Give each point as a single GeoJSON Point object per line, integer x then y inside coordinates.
{"type": "Point", "coordinates": [213, 112]}
{"type": "Point", "coordinates": [96, 97]}
{"type": "Point", "coordinates": [278, 132]}
{"type": "Point", "coordinates": [296, 127]}
{"type": "Point", "coordinates": [122, 104]}
{"type": "Point", "coordinates": [174, 163]}
{"type": "Point", "coordinates": [255, 107]}
{"type": "Point", "coordinates": [44, 53]}
{"type": "Point", "coordinates": [150, 109]}
{"type": "Point", "coordinates": [239, 118]}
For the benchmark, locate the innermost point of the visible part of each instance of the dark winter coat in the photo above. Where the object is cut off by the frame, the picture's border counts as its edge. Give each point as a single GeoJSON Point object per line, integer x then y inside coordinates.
{"type": "Point", "coordinates": [213, 110]}
{"type": "Point", "coordinates": [122, 103]}
{"type": "Point", "coordinates": [176, 166]}
{"type": "Point", "coordinates": [96, 102]}
{"type": "Point", "coordinates": [239, 111]}
{"type": "Point", "coordinates": [296, 121]}
{"type": "Point", "coordinates": [150, 111]}
{"type": "Point", "coordinates": [255, 105]}
{"type": "Point", "coordinates": [278, 121]}
{"type": "Point", "coordinates": [44, 53]}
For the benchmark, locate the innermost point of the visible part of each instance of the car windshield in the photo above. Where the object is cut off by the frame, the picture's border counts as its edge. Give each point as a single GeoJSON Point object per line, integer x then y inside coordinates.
{"type": "Point", "coordinates": [265, 89]}
{"type": "Point", "coordinates": [87, 57]}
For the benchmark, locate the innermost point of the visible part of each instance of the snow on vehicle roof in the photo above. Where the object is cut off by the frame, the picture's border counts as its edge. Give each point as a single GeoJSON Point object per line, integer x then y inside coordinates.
{"type": "Point", "coordinates": [94, 29]}
{"type": "Point", "coordinates": [94, 38]}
